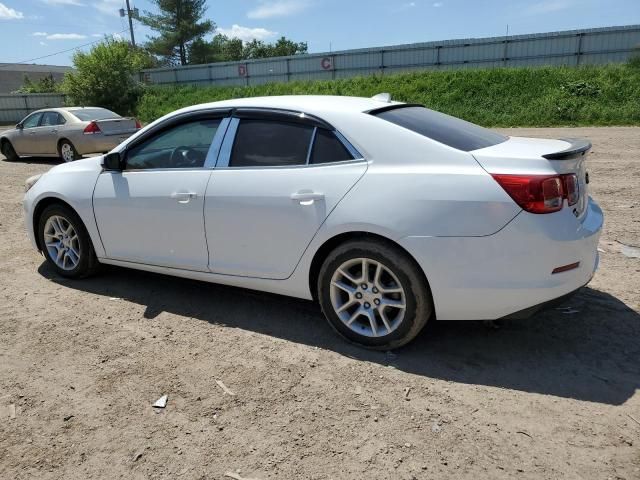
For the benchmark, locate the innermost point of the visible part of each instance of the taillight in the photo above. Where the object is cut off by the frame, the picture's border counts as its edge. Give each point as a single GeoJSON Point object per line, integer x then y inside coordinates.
{"type": "Point", "coordinates": [138, 125]}
{"type": "Point", "coordinates": [571, 188]}
{"type": "Point", "coordinates": [534, 193]}
{"type": "Point", "coordinates": [92, 128]}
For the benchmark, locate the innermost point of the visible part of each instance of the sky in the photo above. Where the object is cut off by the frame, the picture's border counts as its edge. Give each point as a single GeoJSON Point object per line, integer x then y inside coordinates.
{"type": "Point", "coordinates": [53, 29]}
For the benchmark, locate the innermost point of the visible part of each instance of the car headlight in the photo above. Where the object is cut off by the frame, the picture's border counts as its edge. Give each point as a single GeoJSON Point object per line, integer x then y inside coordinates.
{"type": "Point", "coordinates": [31, 181]}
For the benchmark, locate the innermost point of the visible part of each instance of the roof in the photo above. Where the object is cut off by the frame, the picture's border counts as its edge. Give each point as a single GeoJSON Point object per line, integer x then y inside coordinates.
{"type": "Point", "coordinates": [312, 104]}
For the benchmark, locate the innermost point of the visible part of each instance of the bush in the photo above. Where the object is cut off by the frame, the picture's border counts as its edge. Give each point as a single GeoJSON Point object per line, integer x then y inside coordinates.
{"type": "Point", "coordinates": [106, 77]}
{"type": "Point", "coordinates": [499, 97]}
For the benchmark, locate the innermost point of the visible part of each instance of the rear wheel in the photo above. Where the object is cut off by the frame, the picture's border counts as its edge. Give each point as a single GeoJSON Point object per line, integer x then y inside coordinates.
{"type": "Point", "coordinates": [373, 294]}
{"type": "Point", "coordinates": [67, 151]}
{"type": "Point", "coordinates": [65, 242]}
{"type": "Point", "coordinates": [8, 151]}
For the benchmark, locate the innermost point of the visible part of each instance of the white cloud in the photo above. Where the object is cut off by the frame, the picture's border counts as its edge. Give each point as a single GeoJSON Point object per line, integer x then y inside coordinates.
{"type": "Point", "coordinates": [438, 4]}
{"type": "Point", "coordinates": [39, 34]}
{"type": "Point", "coordinates": [76, 3]}
{"type": "Point", "coordinates": [549, 6]}
{"type": "Point", "coordinates": [7, 13]}
{"type": "Point", "coordinates": [109, 7]}
{"type": "Point", "coordinates": [97, 35]}
{"type": "Point", "coordinates": [66, 36]}
{"type": "Point", "coordinates": [246, 34]}
{"type": "Point", "coordinates": [43, 44]}
{"type": "Point", "coordinates": [278, 8]}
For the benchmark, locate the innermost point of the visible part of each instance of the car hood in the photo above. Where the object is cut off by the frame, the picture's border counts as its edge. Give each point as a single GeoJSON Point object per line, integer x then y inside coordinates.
{"type": "Point", "coordinates": [83, 165]}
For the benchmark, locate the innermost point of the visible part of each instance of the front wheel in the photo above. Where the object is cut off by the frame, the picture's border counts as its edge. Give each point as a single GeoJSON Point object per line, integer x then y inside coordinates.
{"type": "Point", "coordinates": [373, 294]}
{"type": "Point", "coordinates": [67, 151]}
{"type": "Point", "coordinates": [8, 151]}
{"type": "Point", "coordinates": [65, 242]}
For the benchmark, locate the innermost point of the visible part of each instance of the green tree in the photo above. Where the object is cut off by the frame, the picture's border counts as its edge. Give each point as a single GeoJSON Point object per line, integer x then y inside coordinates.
{"type": "Point", "coordinates": [178, 24]}
{"type": "Point", "coordinates": [224, 49]}
{"type": "Point", "coordinates": [107, 76]}
{"type": "Point", "coordinates": [45, 84]}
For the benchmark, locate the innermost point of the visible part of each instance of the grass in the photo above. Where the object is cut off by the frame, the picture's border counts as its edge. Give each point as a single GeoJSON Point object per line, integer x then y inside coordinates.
{"type": "Point", "coordinates": [499, 97]}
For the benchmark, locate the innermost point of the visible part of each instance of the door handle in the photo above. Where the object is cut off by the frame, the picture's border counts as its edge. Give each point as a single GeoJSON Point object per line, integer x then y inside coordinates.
{"type": "Point", "coordinates": [55, 130]}
{"type": "Point", "coordinates": [183, 197]}
{"type": "Point", "coordinates": [306, 197]}
{"type": "Point", "coordinates": [32, 133]}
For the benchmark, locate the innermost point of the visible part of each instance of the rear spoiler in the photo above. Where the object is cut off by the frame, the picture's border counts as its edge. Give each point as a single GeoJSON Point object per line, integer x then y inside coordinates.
{"type": "Point", "coordinates": [578, 148]}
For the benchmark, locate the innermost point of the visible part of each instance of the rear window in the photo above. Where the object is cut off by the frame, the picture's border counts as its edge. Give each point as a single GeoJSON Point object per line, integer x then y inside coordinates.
{"type": "Point", "coordinates": [88, 114]}
{"type": "Point", "coordinates": [442, 128]}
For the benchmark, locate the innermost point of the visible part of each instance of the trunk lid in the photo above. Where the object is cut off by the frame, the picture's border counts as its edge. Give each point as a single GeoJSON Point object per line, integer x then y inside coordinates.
{"type": "Point", "coordinates": [116, 126]}
{"type": "Point", "coordinates": [536, 156]}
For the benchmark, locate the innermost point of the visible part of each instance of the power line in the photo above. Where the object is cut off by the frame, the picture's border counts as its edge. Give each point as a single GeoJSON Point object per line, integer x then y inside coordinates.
{"type": "Point", "coordinates": [58, 53]}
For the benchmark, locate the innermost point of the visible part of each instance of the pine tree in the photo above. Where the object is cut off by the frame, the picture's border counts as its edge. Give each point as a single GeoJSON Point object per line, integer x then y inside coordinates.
{"type": "Point", "coordinates": [178, 24]}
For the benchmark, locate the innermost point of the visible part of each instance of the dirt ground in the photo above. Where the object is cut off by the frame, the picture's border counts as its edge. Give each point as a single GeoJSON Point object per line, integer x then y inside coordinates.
{"type": "Point", "coordinates": [81, 363]}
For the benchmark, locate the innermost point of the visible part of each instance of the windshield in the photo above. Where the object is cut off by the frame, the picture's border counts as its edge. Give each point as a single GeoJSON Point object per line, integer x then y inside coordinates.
{"type": "Point", "coordinates": [442, 128]}
{"type": "Point", "coordinates": [88, 114]}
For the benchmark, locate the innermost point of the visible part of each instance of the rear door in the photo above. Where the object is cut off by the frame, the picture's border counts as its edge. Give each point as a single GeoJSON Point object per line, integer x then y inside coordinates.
{"type": "Point", "coordinates": [152, 212]}
{"type": "Point", "coordinates": [277, 180]}
{"type": "Point", "coordinates": [48, 135]}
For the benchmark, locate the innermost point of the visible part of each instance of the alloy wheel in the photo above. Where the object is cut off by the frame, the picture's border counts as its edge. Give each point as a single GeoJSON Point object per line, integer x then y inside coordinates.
{"type": "Point", "coordinates": [67, 152]}
{"type": "Point", "coordinates": [368, 297]}
{"type": "Point", "coordinates": [62, 242]}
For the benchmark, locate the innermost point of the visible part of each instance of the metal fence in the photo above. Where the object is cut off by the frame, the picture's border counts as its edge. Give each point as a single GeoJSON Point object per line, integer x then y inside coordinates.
{"type": "Point", "coordinates": [14, 107]}
{"type": "Point", "coordinates": [575, 47]}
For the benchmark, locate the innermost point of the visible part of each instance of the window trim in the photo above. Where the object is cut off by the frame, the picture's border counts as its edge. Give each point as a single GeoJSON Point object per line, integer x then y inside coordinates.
{"type": "Point", "coordinates": [212, 153]}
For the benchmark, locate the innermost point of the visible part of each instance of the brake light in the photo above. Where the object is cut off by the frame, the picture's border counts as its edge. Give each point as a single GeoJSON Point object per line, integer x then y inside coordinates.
{"type": "Point", "coordinates": [92, 128]}
{"type": "Point", "coordinates": [571, 188]}
{"type": "Point", "coordinates": [534, 193]}
{"type": "Point", "coordinates": [138, 125]}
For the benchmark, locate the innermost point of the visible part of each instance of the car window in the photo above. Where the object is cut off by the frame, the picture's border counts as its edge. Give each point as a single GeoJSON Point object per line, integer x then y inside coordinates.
{"type": "Point", "coordinates": [88, 114]}
{"type": "Point", "coordinates": [327, 148]}
{"type": "Point", "coordinates": [32, 120]}
{"type": "Point", "coordinates": [268, 143]}
{"type": "Point", "coordinates": [182, 146]}
{"type": "Point", "coordinates": [442, 128]}
{"type": "Point", "coordinates": [50, 119]}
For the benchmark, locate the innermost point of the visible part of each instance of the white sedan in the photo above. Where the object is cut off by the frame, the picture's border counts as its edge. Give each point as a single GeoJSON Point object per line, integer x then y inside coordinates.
{"type": "Point", "coordinates": [387, 214]}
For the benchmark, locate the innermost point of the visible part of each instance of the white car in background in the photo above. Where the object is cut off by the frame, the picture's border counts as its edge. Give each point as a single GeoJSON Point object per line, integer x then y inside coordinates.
{"type": "Point", "coordinates": [387, 214]}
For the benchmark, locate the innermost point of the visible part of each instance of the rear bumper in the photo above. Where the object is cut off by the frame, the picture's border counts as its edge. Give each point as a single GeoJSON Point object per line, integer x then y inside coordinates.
{"type": "Point", "coordinates": [485, 278]}
{"type": "Point", "coordinates": [549, 304]}
{"type": "Point", "coordinates": [98, 142]}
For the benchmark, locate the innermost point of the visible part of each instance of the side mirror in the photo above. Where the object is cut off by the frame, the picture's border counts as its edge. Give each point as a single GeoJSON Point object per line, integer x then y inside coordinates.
{"type": "Point", "coordinates": [19, 126]}
{"type": "Point", "coordinates": [113, 161]}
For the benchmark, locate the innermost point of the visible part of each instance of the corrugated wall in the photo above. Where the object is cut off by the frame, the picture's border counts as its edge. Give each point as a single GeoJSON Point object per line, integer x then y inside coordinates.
{"type": "Point", "coordinates": [14, 107]}
{"type": "Point", "coordinates": [576, 47]}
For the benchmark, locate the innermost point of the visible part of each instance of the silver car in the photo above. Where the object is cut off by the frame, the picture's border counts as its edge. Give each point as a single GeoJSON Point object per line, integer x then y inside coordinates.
{"type": "Point", "coordinates": [67, 133]}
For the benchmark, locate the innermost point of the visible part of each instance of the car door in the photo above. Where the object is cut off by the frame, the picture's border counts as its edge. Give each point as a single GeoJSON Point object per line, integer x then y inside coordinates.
{"type": "Point", "coordinates": [49, 132]}
{"type": "Point", "coordinates": [24, 141]}
{"type": "Point", "coordinates": [276, 181]}
{"type": "Point", "coordinates": [152, 211]}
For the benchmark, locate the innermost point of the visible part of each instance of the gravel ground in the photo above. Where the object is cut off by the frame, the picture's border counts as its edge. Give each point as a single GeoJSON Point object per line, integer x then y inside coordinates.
{"type": "Point", "coordinates": [81, 362]}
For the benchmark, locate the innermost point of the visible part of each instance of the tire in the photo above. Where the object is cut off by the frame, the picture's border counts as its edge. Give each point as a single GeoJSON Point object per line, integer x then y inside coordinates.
{"type": "Point", "coordinates": [67, 152]}
{"type": "Point", "coordinates": [8, 151]}
{"type": "Point", "coordinates": [79, 259]}
{"type": "Point", "coordinates": [401, 283]}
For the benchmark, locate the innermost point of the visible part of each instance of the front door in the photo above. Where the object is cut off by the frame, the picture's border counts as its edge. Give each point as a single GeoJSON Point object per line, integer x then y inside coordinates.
{"type": "Point", "coordinates": [281, 182]}
{"type": "Point", "coordinates": [152, 212]}
{"type": "Point", "coordinates": [25, 141]}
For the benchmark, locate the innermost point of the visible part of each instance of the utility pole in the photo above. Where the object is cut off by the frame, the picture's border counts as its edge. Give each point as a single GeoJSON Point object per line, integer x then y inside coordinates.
{"type": "Point", "coordinates": [130, 13]}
